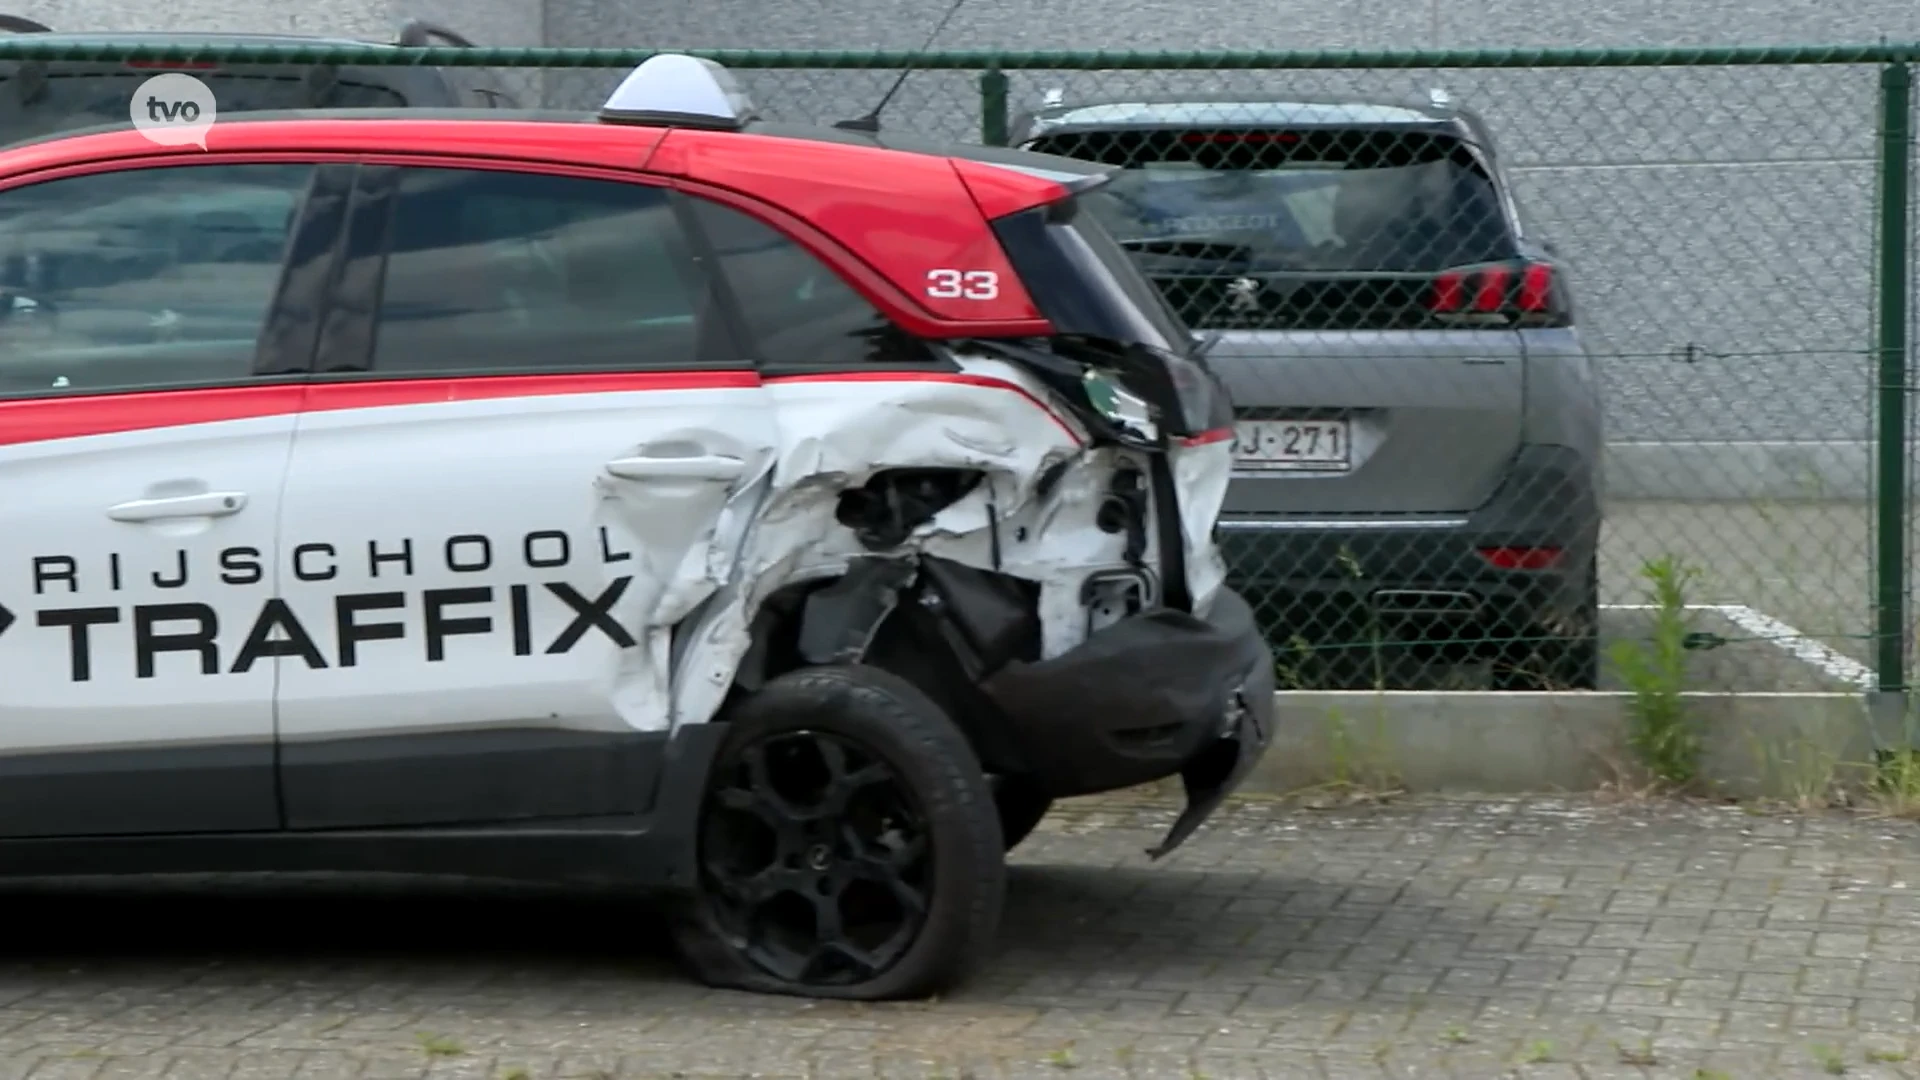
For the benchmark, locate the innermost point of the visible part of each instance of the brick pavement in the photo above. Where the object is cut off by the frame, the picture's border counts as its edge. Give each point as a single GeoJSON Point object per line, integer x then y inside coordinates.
{"type": "Point", "coordinates": [1475, 938]}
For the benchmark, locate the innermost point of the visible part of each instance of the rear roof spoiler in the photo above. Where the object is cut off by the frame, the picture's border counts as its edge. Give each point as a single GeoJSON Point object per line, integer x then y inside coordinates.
{"type": "Point", "coordinates": [1075, 182]}
{"type": "Point", "coordinates": [418, 32]}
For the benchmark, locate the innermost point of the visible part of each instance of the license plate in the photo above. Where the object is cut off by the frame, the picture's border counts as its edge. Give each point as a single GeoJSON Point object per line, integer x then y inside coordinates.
{"type": "Point", "coordinates": [1301, 445]}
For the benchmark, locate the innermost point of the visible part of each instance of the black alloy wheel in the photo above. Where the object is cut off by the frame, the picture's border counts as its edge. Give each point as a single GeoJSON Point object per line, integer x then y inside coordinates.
{"type": "Point", "coordinates": [849, 845]}
{"type": "Point", "coordinates": [816, 856]}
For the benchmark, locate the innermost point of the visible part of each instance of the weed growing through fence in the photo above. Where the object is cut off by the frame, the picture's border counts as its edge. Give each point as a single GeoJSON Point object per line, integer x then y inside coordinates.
{"type": "Point", "coordinates": [1655, 673]}
{"type": "Point", "coordinates": [1292, 662]}
{"type": "Point", "coordinates": [1807, 773]}
{"type": "Point", "coordinates": [1304, 663]}
{"type": "Point", "coordinates": [1895, 789]}
{"type": "Point", "coordinates": [1376, 645]}
{"type": "Point", "coordinates": [1360, 763]}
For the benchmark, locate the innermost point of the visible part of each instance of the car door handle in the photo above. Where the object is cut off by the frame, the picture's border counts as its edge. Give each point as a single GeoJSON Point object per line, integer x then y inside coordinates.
{"type": "Point", "coordinates": [206, 504]}
{"type": "Point", "coordinates": [698, 467]}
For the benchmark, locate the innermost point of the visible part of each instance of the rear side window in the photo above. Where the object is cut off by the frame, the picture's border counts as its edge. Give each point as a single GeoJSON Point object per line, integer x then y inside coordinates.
{"type": "Point", "coordinates": [143, 278]}
{"type": "Point", "coordinates": [799, 313]}
{"type": "Point", "coordinates": [506, 271]}
{"type": "Point", "coordinates": [35, 102]}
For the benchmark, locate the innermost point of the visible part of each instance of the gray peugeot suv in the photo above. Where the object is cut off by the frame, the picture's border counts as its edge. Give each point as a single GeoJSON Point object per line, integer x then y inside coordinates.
{"type": "Point", "coordinates": [1418, 425]}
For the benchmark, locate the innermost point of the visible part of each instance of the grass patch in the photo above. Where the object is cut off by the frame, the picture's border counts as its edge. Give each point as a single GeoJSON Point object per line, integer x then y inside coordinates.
{"type": "Point", "coordinates": [1830, 1059]}
{"type": "Point", "coordinates": [439, 1045]}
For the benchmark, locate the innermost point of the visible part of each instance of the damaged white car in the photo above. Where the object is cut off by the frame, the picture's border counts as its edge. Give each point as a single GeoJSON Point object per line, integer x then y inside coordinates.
{"type": "Point", "coordinates": [780, 518]}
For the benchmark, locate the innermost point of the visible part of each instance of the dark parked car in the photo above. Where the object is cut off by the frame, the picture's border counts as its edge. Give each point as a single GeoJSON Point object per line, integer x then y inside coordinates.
{"type": "Point", "coordinates": [1418, 424]}
{"type": "Point", "coordinates": [40, 98]}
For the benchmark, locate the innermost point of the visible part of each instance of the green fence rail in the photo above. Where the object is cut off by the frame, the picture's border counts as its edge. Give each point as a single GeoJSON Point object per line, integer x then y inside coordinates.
{"type": "Point", "coordinates": [1734, 224]}
{"type": "Point", "coordinates": [228, 51]}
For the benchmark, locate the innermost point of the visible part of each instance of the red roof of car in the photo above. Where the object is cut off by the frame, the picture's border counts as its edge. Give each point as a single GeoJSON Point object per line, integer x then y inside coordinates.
{"type": "Point", "coordinates": [901, 215]}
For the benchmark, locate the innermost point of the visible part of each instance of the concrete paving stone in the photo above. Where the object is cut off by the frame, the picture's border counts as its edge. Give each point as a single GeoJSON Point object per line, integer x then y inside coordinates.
{"type": "Point", "coordinates": [1423, 937]}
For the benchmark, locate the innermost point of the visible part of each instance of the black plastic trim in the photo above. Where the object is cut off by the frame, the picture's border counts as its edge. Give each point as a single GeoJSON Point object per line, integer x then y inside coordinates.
{"type": "Point", "coordinates": [346, 339]}
{"type": "Point", "coordinates": [277, 379]}
{"type": "Point", "coordinates": [466, 776]}
{"type": "Point", "coordinates": [292, 328]}
{"type": "Point", "coordinates": [226, 787]}
{"type": "Point", "coordinates": [1175, 592]}
{"type": "Point", "coordinates": [652, 850]}
{"type": "Point", "coordinates": [1139, 700]}
{"type": "Point", "coordinates": [1057, 286]}
{"type": "Point", "coordinates": [653, 118]}
{"type": "Point", "coordinates": [723, 302]}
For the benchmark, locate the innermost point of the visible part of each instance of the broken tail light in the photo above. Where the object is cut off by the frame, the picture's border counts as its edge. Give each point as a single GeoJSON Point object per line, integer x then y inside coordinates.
{"type": "Point", "coordinates": [1519, 293]}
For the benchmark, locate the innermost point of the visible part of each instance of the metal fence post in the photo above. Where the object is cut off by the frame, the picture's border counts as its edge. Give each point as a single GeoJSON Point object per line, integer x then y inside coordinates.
{"type": "Point", "coordinates": [993, 107]}
{"type": "Point", "coordinates": [1890, 346]}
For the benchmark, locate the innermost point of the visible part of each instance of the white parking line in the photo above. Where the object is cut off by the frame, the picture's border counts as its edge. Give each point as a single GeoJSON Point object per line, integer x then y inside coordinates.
{"type": "Point", "coordinates": [1774, 632]}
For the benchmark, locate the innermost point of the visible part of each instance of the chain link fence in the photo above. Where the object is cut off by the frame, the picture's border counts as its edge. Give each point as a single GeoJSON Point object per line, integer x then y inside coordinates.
{"type": "Point", "coordinates": [1415, 312]}
{"type": "Point", "coordinates": [1713, 228]}
{"type": "Point", "coordinates": [1710, 230]}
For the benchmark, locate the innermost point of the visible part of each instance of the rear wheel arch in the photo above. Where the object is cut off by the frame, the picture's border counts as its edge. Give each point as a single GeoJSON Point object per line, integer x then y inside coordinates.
{"type": "Point", "coordinates": [910, 644]}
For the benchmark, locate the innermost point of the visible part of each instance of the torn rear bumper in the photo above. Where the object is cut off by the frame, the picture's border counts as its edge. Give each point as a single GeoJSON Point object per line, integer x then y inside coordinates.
{"type": "Point", "coordinates": [1157, 694]}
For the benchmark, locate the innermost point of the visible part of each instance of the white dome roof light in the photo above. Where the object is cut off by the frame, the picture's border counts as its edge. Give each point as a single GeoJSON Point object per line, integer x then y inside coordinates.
{"type": "Point", "coordinates": [679, 90]}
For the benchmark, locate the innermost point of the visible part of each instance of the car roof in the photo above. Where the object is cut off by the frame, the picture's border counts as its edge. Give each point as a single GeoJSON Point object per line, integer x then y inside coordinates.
{"type": "Point", "coordinates": [535, 134]}
{"type": "Point", "coordinates": [917, 144]}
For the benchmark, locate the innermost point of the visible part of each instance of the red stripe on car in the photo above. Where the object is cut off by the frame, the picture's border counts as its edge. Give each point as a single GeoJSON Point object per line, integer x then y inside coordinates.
{"type": "Point", "coordinates": [29, 420]}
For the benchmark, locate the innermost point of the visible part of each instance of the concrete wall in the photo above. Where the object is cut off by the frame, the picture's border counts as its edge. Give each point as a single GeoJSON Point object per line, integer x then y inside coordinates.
{"type": "Point", "coordinates": [1790, 745]}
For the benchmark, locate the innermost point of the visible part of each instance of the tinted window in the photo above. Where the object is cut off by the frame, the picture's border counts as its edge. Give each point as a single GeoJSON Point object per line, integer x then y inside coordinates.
{"type": "Point", "coordinates": [1335, 200]}
{"type": "Point", "coordinates": [798, 311]}
{"type": "Point", "coordinates": [142, 278]}
{"type": "Point", "coordinates": [66, 101]}
{"type": "Point", "coordinates": [501, 271]}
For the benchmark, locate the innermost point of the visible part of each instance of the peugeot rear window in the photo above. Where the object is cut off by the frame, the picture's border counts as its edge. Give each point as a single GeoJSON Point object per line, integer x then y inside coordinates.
{"type": "Point", "coordinates": [68, 101]}
{"type": "Point", "coordinates": [1336, 200]}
